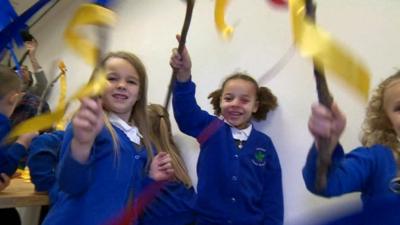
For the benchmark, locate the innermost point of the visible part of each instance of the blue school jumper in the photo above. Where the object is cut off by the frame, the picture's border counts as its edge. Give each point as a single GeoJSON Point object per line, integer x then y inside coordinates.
{"type": "Point", "coordinates": [365, 170]}
{"type": "Point", "coordinates": [172, 206]}
{"type": "Point", "coordinates": [235, 186]}
{"type": "Point", "coordinates": [96, 192]}
{"type": "Point", "coordinates": [10, 154]}
{"type": "Point", "coordinates": [42, 161]}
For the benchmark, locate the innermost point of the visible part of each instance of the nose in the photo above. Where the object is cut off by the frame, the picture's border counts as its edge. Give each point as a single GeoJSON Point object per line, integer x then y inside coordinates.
{"type": "Point", "coordinates": [235, 102]}
{"type": "Point", "coordinates": [121, 84]}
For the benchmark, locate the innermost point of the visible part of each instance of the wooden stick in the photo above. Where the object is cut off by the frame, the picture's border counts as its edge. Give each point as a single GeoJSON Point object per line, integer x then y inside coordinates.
{"type": "Point", "coordinates": [182, 41]}
{"type": "Point", "coordinates": [325, 98]}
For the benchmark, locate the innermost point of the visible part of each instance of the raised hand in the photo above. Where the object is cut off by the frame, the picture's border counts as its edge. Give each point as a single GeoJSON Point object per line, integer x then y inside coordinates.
{"type": "Point", "coordinates": [324, 123]}
{"type": "Point", "coordinates": [87, 124]}
{"type": "Point", "coordinates": [161, 167]}
{"type": "Point", "coordinates": [181, 63]}
{"type": "Point", "coordinates": [31, 46]}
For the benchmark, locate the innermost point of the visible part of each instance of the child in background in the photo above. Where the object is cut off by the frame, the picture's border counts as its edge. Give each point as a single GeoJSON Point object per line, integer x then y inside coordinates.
{"type": "Point", "coordinates": [10, 93]}
{"type": "Point", "coordinates": [10, 154]}
{"type": "Point", "coordinates": [42, 162]}
{"type": "Point", "coordinates": [174, 205]}
{"type": "Point", "coordinates": [239, 175]}
{"type": "Point", "coordinates": [371, 169]}
{"type": "Point", "coordinates": [106, 150]}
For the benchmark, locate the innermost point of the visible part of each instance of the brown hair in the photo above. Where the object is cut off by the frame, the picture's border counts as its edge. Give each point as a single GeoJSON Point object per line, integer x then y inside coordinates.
{"type": "Point", "coordinates": [139, 113]}
{"type": "Point", "coordinates": [377, 128]}
{"type": "Point", "coordinates": [266, 100]}
{"type": "Point", "coordinates": [9, 81]}
{"type": "Point", "coordinates": [161, 137]}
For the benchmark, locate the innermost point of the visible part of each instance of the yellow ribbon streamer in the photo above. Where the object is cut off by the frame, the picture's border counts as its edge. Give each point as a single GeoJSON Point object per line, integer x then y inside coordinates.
{"type": "Point", "coordinates": [219, 16]}
{"type": "Point", "coordinates": [92, 89]}
{"type": "Point", "coordinates": [60, 125]}
{"type": "Point", "coordinates": [88, 14]}
{"type": "Point", "coordinates": [314, 42]}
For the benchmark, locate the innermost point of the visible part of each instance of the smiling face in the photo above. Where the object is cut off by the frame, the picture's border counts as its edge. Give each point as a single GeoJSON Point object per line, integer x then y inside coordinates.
{"type": "Point", "coordinates": [123, 91]}
{"type": "Point", "coordinates": [238, 102]}
{"type": "Point", "coordinates": [391, 105]}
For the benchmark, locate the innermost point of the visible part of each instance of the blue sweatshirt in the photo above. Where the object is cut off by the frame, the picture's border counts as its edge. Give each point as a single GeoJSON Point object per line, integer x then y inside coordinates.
{"type": "Point", "coordinates": [365, 170]}
{"type": "Point", "coordinates": [172, 206]}
{"type": "Point", "coordinates": [10, 154]}
{"type": "Point", "coordinates": [235, 186]}
{"type": "Point", "coordinates": [97, 191]}
{"type": "Point", "coordinates": [42, 161]}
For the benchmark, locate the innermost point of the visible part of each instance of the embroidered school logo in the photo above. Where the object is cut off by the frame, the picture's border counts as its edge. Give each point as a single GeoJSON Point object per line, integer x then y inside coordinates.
{"type": "Point", "coordinates": [259, 157]}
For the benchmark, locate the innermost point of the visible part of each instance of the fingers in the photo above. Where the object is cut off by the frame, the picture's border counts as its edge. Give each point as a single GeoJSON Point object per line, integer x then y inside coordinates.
{"type": "Point", "coordinates": [89, 114]}
{"type": "Point", "coordinates": [176, 59]}
{"type": "Point", "coordinates": [178, 37]}
{"type": "Point", "coordinates": [320, 121]}
{"type": "Point", "coordinates": [163, 161]}
{"type": "Point", "coordinates": [325, 123]}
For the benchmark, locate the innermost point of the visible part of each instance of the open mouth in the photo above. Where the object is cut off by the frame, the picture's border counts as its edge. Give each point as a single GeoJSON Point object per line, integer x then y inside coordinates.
{"type": "Point", "coordinates": [120, 96]}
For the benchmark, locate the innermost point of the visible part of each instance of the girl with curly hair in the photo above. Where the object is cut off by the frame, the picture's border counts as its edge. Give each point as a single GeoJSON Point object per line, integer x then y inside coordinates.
{"type": "Point", "coordinates": [371, 169]}
{"type": "Point", "coordinates": [239, 174]}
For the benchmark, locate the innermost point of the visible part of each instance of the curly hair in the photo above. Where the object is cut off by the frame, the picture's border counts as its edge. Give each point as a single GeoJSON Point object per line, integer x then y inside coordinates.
{"type": "Point", "coordinates": [267, 100]}
{"type": "Point", "coordinates": [377, 128]}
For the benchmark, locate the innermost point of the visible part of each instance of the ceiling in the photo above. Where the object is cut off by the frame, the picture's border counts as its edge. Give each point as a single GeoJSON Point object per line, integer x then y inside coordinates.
{"type": "Point", "coordinates": [21, 5]}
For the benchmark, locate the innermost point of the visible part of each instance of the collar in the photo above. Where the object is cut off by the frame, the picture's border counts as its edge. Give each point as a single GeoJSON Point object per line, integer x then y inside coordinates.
{"type": "Point", "coordinates": [239, 134]}
{"type": "Point", "coordinates": [132, 132]}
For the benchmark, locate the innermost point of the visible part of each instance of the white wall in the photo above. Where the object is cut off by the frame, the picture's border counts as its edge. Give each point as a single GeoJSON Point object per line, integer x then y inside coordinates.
{"type": "Point", "coordinates": [263, 34]}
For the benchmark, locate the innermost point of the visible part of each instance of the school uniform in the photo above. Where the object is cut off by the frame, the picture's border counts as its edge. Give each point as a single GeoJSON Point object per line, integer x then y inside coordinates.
{"type": "Point", "coordinates": [368, 170]}
{"type": "Point", "coordinates": [42, 161]}
{"type": "Point", "coordinates": [235, 185]}
{"type": "Point", "coordinates": [172, 206]}
{"type": "Point", "coordinates": [10, 154]}
{"type": "Point", "coordinates": [98, 191]}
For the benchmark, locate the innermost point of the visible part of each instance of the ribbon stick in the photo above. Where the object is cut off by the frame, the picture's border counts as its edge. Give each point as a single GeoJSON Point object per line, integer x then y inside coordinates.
{"type": "Point", "coordinates": [45, 121]}
{"type": "Point", "coordinates": [182, 41]}
{"type": "Point", "coordinates": [88, 14]}
{"type": "Point", "coordinates": [60, 125]}
{"type": "Point", "coordinates": [219, 16]}
{"type": "Point", "coordinates": [312, 41]}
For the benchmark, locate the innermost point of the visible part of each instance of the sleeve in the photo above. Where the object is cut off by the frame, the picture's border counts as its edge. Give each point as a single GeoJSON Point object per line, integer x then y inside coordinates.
{"type": "Point", "coordinates": [43, 159]}
{"type": "Point", "coordinates": [348, 173]}
{"type": "Point", "coordinates": [40, 84]}
{"type": "Point", "coordinates": [10, 157]}
{"type": "Point", "coordinates": [74, 177]}
{"type": "Point", "coordinates": [191, 119]}
{"type": "Point", "coordinates": [273, 191]}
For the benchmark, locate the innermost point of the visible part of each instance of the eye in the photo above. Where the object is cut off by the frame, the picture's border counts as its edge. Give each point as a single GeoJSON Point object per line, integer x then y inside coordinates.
{"type": "Point", "coordinates": [111, 78]}
{"type": "Point", "coordinates": [227, 98]}
{"type": "Point", "coordinates": [245, 100]}
{"type": "Point", "coordinates": [132, 82]}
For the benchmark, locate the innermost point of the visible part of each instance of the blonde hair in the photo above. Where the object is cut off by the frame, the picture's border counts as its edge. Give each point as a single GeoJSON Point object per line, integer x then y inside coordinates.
{"type": "Point", "coordinates": [161, 136]}
{"type": "Point", "coordinates": [377, 128]}
{"type": "Point", "coordinates": [139, 113]}
{"type": "Point", "coordinates": [9, 81]}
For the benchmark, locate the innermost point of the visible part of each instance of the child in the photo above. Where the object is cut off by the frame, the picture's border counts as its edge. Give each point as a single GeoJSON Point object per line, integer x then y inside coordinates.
{"type": "Point", "coordinates": [10, 154]}
{"type": "Point", "coordinates": [237, 183]}
{"type": "Point", "coordinates": [174, 205]}
{"type": "Point", "coordinates": [370, 169]}
{"type": "Point", "coordinates": [103, 161]}
{"type": "Point", "coordinates": [42, 162]}
{"type": "Point", "coordinates": [10, 93]}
